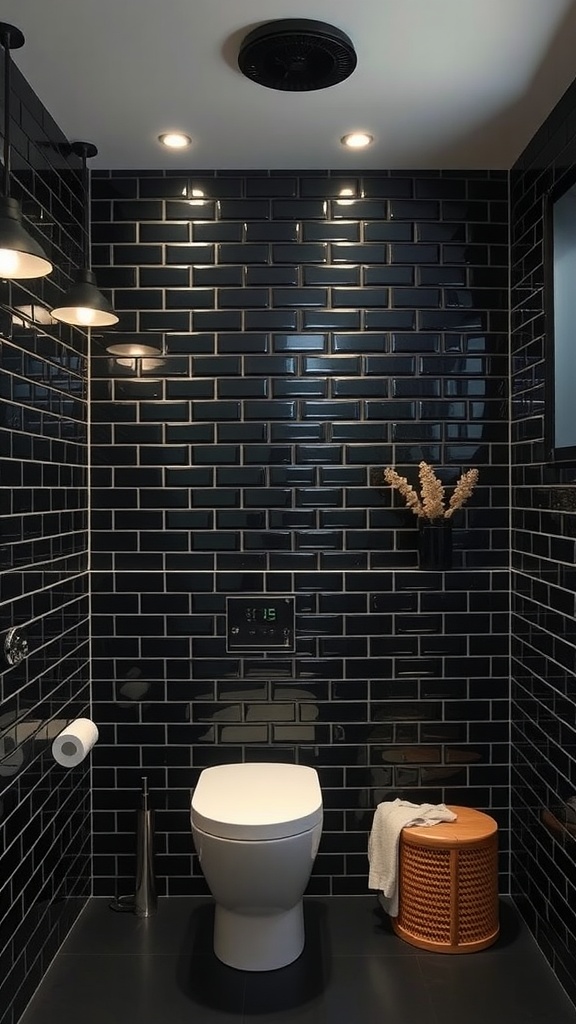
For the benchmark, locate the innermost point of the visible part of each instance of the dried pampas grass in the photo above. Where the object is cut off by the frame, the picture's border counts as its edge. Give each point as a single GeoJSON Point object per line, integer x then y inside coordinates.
{"type": "Point", "coordinates": [430, 503]}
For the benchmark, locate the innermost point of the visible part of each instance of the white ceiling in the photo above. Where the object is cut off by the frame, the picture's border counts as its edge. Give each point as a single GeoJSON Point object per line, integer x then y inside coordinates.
{"type": "Point", "coordinates": [439, 83]}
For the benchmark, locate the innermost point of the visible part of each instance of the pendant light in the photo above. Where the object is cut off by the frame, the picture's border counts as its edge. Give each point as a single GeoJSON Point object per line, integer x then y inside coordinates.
{"type": "Point", "coordinates": [21, 256]}
{"type": "Point", "coordinates": [84, 305]}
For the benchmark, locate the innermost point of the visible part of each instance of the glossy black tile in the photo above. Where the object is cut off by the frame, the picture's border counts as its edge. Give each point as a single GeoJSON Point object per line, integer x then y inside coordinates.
{"type": "Point", "coordinates": [272, 231]}
{"type": "Point", "coordinates": [124, 209]}
{"type": "Point", "coordinates": [325, 185]}
{"type": "Point", "coordinates": [269, 410]}
{"type": "Point", "coordinates": [331, 231]}
{"type": "Point", "coordinates": [270, 320]}
{"type": "Point", "coordinates": [182, 209]}
{"type": "Point", "coordinates": [244, 298]}
{"type": "Point", "coordinates": [307, 252]}
{"type": "Point", "coordinates": [298, 209]}
{"type": "Point", "coordinates": [217, 321]}
{"type": "Point", "coordinates": [45, 816]}
{"type": "Point", "coordinates": [299, 297]}
{"type": "Point", "coordinates": [135, 255]}
{"type": "Point", "coordinates": [244, 209]}
{"type": "Point", "coordinates": [243, 253]}
{"type": "Point", "coordinates": [317, 388]}
{"type": "Point", "coordinates": [255, 432]}
{"type": "Point", "coordinates": [286, 276]}
{"type": "Point", "coordinates": [163, 233]}
{"type": "Point", "coordinates": [414, 209]}
{"type": "Point", "coordinates": [216, 231]}
{"type": "Point", "coordinates": [247, 387]}
{"type": "Point", "coordinates": [187, 255]}
{"type": "Point", "coordinates": [289, 503]}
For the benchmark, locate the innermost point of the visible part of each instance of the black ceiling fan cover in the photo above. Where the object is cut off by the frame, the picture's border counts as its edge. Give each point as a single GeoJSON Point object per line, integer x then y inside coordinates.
{"type": "Point", "coordinates": [297, 55]}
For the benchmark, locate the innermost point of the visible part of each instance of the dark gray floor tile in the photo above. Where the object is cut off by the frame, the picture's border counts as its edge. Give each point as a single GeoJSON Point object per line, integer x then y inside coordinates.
{"type": "Point", "coordinates": [144, 989]}
{"type": "Point", "coordinates": [515, 936]}
{"type": "Point", "coordinates": [353, 970]}
{"type": "Point", "coordinates": [377, 989]}
{"type": "Point", "coordinates": [511, 989]}
{"type": "Point", "coordinates": [175, 925]}
{"type": "Point", "coordinates": [270, 1000]}
{"type": "Point", "coordinates": [357, 926]}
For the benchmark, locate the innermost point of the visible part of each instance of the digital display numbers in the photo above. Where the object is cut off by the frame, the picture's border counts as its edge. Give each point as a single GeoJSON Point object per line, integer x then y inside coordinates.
{"type": "Point", "coordinates": [259, 624]}
{"type": "Point", "coordinates": [266, 614]}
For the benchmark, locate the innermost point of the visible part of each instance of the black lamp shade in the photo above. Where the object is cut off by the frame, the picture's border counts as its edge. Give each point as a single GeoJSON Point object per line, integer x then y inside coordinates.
{"type": "Point", "coordinates": [21, 256]}
{"type": "Point", "coordinates": [84, 305]}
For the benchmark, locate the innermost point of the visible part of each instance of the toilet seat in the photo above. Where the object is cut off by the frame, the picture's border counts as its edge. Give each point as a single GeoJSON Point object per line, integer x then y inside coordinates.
{"type": "Point", "coordinates": [257, 800]}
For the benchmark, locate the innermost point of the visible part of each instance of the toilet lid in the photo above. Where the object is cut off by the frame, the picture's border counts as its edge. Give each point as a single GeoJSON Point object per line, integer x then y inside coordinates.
{"type": "Point", "coordinates": [257, 800]}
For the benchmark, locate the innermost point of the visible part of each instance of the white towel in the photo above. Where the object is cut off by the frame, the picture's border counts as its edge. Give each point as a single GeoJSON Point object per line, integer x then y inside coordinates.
{"type": "Point", "coordinates": [390, 817]}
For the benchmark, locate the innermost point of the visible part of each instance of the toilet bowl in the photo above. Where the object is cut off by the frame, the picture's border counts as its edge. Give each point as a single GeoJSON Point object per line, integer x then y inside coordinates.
{"type": "Point", "coordinates": [256, 830]}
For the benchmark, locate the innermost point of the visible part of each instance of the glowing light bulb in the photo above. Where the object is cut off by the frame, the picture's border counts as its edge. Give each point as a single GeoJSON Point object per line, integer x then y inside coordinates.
{"type": "Point", "coordinates": [9, 261]}
{"type": "Point", "coordinates": [85, 316]}
{"type": "Point", "coordinates": [175, 140]}
{"type": "Point", "coordinates": [357, 140]}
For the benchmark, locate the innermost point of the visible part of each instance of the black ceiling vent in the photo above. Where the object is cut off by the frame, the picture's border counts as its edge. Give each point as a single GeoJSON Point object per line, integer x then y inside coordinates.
{"type": "Point", "coordinates": [297, 55]}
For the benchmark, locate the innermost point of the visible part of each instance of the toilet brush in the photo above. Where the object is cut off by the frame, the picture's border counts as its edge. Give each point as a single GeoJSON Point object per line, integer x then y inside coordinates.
{"type": "Point", "coordinates": [144, 901]}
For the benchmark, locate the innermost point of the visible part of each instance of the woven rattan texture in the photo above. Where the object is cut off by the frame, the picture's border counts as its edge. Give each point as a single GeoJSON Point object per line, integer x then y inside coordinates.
{"type": "Point", "coordinates": [477, 896]}
{"type": "Point", "coordinates": [424, 909]}
{"type": "Point", "coordinates": [449, 896]}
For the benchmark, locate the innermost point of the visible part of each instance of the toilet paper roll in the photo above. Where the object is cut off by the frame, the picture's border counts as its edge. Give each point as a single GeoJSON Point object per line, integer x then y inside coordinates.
{"type": "Point", "coordinates": [75, 742]}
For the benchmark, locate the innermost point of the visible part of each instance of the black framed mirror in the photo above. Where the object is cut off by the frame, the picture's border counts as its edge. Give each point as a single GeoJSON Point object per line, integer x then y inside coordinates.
{"type": "Point", "coordinates": [560, 299]}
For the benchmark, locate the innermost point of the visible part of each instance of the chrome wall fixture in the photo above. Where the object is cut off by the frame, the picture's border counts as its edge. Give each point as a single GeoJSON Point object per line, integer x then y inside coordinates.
{"type": "Point", "coordinates": [21, 256]}
{"type": "Point", "coordinates": [84, 305]}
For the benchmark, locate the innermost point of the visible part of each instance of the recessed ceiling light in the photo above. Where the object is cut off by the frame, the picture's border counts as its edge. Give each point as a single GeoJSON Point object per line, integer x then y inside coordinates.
{"type": "Point", "coordinates": [175, 140]}
{"type": "Point", "coordinates": [357, 140]}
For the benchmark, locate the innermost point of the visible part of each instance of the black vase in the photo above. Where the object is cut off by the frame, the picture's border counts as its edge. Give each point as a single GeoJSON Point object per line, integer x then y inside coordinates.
{"type": "Point", "coordinates": [435, 543]}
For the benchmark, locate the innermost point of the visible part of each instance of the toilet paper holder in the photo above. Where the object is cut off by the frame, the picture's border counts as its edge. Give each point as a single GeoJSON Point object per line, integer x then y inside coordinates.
{"type": "Point", "coordinates": [144, 901]}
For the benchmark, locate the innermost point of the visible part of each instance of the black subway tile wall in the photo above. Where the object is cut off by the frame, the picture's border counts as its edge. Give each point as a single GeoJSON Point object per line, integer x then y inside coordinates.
{"type": "Point", "coordinates": [543, 579]}
{"type": "Point", "coordinates": [301, 342]}
{"type": "Point", "coordinates": [44, 808]}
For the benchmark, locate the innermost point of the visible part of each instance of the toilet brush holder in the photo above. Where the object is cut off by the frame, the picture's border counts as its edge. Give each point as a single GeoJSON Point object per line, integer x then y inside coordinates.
{"type": "Point", "coordinates": [144, 901]}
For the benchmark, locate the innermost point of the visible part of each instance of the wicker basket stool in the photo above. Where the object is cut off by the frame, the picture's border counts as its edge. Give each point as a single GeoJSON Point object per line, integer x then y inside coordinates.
{"type": "Point", "coordinates": [448, 884]}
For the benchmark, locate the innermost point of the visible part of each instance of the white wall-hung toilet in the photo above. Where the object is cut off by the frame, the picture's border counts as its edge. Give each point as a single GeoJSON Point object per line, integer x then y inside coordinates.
{"type": "Point", "coordinates": [256, 830]}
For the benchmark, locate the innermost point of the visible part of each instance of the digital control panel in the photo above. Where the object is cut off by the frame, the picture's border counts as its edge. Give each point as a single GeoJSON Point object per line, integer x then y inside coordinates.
{"type": "Point", "coordinates": [259, 623]}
